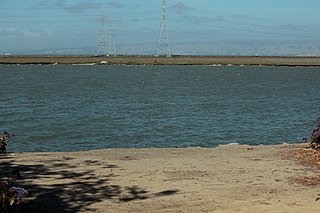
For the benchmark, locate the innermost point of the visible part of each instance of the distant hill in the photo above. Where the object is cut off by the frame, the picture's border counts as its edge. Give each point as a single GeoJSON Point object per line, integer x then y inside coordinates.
{"type": "Point", "coordinates": [237, 48]}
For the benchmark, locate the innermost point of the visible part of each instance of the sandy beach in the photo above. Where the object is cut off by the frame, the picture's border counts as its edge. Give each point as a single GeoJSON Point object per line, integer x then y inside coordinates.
{"type": "Point", "coordinates": [232, 178]}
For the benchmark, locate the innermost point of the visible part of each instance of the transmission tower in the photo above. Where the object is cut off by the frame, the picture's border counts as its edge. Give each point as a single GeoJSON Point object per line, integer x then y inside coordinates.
{"type": "Point", "coordinates": [163, 47]}
{"type": "Point", "coordinates": [102, 37]}
{"type": "Point", "coordinates": [111, 39]}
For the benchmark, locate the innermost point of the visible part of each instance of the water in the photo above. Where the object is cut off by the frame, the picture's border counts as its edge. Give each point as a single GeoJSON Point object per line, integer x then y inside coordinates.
{"type": "Point", "coordinates": [72, 108]}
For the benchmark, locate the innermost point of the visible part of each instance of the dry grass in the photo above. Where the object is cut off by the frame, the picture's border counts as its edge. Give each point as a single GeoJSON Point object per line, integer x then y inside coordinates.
{"type": "Point", "coordinates": [176, 60]}
{"type": "Point", "coordinates": [307, 181]}
{"type": "Point", "coordinates": [305, 156]}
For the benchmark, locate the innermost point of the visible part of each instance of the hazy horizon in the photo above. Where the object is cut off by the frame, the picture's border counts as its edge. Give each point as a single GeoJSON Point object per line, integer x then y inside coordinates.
{"type": "Point", "coordinates": [203, 27]}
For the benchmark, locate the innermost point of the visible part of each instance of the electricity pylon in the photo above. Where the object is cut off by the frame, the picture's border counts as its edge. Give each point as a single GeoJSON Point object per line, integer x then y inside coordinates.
{"type": "Point", "coordinates": [111, 39]}
{"type": "Point", "coordinates": [163, 47]}
{"type": "Point", "coordinates": [102, 37]}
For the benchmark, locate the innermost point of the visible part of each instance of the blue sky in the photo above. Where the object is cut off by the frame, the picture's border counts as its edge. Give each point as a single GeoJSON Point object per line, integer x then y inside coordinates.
{"type": "Point", "coordinates": [61, 24]}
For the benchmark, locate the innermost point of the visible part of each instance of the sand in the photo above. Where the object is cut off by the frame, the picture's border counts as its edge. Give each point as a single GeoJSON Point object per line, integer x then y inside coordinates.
{"type": "Point", "coordinates": [232, 178]}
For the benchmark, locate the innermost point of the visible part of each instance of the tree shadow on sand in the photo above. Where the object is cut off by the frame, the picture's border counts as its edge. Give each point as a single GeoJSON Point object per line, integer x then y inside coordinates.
{"type": "Point", "coordinates": [74, 190]}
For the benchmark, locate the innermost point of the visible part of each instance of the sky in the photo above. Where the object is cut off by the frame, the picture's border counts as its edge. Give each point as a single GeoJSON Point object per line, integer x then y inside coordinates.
{"type": "Point", "coordinates": [29, 26]}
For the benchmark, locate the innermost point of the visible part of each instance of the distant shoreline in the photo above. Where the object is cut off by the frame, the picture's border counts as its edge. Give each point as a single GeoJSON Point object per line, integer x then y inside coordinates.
{"type": "Point", "coordinates": [174, 60]}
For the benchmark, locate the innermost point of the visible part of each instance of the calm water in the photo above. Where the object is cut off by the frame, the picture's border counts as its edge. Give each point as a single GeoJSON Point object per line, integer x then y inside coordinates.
{"type": "Point", "coordinates": [71, 108]}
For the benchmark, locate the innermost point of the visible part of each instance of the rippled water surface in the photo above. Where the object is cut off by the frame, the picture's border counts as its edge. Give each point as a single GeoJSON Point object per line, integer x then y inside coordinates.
{"type": "Point", "coordinates": [71, 108]}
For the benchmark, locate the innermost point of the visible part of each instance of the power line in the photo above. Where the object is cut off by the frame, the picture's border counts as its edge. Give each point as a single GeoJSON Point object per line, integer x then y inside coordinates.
{"type": "Point", "coordinates": [244, 30]}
